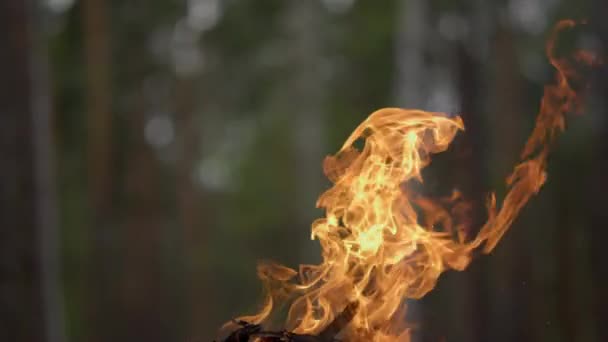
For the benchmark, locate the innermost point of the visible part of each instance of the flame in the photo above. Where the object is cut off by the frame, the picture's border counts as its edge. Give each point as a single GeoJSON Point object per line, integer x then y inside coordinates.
{"type": "Point", "coordinates": [381, 242]}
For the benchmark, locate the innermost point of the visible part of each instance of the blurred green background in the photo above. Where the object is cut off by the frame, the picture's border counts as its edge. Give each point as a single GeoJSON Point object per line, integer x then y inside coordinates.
{"type": "Point", "coordinates": [154, 150]}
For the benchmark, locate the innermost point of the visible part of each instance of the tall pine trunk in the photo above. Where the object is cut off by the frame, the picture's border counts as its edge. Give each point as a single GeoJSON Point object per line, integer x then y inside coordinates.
{"type": "Point", "coordinates": [99, 163]}
{"type": "Point", "coordinates": [598, 186]}
{"type": "Point", "coordinates": [30, 301]}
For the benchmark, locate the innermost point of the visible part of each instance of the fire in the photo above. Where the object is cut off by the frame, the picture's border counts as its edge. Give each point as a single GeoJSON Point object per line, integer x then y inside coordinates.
{"type": "Point", "coordinates": [381, 242]}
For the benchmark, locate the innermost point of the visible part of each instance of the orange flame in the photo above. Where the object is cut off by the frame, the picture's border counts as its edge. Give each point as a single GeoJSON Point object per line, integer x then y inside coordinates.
{"type": "Point", "coordinates": [376, 251]}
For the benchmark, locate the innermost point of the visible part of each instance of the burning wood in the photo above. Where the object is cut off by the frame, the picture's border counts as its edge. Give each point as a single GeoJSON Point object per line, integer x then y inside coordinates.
{"type": "Point", "coordinates": [381, 243]}
{"type": "Point", "coordinates": [253, 332]}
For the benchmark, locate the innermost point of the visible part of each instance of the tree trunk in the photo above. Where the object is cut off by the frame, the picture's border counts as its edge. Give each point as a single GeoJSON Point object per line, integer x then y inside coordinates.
{"type": "Point", "coordinates": [99, 165]}
{"type": "Point", "coordinates": [143, 294]}
{"type": "Point", "coordinates": [98, 96]}
{"type": "Point", "coordinates": [30, 305]}
{"type": "Point", "coordinates": [410, 87]}
{"type": "Point", "coordinates": [411, 82]}
{"type": "Point", "coordinates": [505, 137]}
{"type": "Point", "coordinates": [598, 186]}
{"type": "Point", "coordinates": [303, 22]}
{"type": "Point", "coordinates": [191, 213]}
{"type": "Point", "coordinates": [468, 294]}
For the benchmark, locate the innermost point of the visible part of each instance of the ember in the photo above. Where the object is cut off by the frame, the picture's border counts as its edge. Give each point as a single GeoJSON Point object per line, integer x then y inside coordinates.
{"type": "Point", "coordinates": [381, 243]}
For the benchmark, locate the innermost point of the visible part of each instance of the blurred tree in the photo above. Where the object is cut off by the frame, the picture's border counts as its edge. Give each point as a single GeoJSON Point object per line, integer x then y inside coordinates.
{"type": "Point", "coordinates": [99, 161]}
{"type": "Point", "coordinates": [191, 208]}
{"type": "Point", "coordinates": [142, 311]}
{"type": "Point", "coordinates": [30, 296]}
{"type": "Point", "coordinates": [307, 79]}
{"type": "Point", "coordinates": [598, 184]}
{"type": "Point", "coordinates": [497, 319]}
{"type": "Point", "coordinates": [142, 297]}
{"type": "Point", "coordinates": [412, 75]}
{"type": "Point", "coordinates": [411, 88]}
{"type": "Point", "coordinates": [468, 321]}
{"type": "Point", "coordinates": [99, 111]}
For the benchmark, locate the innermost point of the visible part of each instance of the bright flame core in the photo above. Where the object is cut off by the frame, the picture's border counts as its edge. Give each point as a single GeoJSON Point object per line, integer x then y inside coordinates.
{"type": "Point", "coordinates": [376, 251]}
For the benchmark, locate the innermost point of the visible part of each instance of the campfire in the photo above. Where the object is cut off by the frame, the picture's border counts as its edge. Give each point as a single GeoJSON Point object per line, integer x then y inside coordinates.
{"type": "Point", "coordinates": [383, 243]}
